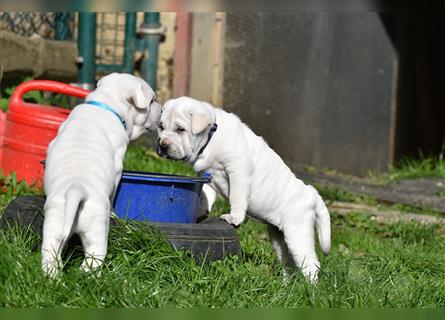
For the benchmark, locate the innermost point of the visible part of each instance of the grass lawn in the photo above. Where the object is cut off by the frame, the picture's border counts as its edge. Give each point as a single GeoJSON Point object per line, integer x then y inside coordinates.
{"type": "Point", "coordinates": [370, 265]}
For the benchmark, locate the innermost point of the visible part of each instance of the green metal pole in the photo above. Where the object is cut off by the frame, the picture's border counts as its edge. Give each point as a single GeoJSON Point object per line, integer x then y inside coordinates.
{"type": "Point", "coordinates": [152, 33]}
{"type": "Point", "coordinates": [62, 27]}
{"type": "Point", "coordinates": [130, 39]}
{"type": "Point", "coordinates": [86, 42]}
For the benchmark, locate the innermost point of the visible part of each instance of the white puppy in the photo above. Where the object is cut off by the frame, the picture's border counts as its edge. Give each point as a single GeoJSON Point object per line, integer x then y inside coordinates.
{"type": "Point", "coordinates": [84, 165]}
{"type": "Point", "coordinates": [251, 175]}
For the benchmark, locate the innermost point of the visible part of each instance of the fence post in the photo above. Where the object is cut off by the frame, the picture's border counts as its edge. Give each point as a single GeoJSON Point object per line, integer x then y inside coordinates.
{"type": "Point", "coordinates": [62, 26]}
{"type": "Point", "coordinates": [129, 45]}
{"type": "Point", "coordinates": [151, 31]}
{"type": "Point", "coordinates": [86, 42]}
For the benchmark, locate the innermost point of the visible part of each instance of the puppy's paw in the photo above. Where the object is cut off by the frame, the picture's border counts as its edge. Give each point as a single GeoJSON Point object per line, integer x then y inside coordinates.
{"type": "Point", "coordinates": [233, 219]}
{"type": "Point", "coordinates": [311, 274]}
{"type": "Point", "coordinates": [92, 266]}
{"type": "Point", "coordinates": [52, 268]}
{"type": "Point", "coordinates": [53, 272]}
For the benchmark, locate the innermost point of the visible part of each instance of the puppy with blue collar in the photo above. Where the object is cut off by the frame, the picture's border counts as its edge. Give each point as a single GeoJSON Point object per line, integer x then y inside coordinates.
{"type": "Point", "coordinates": [84, 164]}
{"type": "Point", "coordinates": [254, 179]}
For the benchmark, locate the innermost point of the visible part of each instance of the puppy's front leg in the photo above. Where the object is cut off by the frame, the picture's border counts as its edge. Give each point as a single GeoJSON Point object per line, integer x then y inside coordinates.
{"type": "Point", "coordinates": [239, 189]}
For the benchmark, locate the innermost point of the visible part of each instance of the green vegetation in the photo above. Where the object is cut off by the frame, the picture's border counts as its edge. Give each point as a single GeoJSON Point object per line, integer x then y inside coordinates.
{"type": "Point", "coordinates": [422, 167]}
{"type": "Point", "coordinates": [413, 168]}
{"type": "Point", "coordinates": [370, 265]}
{"type": "Point", "coordinates": [11, 188]}
{"type": "Point", "coordinates": [39, 97]}
{"type": "Point", "coordinates": [141, 159]}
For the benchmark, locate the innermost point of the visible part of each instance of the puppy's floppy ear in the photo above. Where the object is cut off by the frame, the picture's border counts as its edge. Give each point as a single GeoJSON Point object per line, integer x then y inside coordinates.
{"type": "Point", "coordinates": [199, 122]}
{"type": "Point", "coordinates": [139, 97]}
{"type": "Point", "coordinates": [154, 115]}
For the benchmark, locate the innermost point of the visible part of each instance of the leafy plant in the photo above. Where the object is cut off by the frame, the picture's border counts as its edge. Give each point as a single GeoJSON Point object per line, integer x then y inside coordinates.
{"type": "Point", "coordinates": [38, 97]}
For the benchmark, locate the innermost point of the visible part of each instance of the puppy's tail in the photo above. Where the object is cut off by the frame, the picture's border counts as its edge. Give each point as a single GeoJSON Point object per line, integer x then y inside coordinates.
{"type": "Point", "coordinates": [323, 224]}
{"type": "Point", "coordinates": [73, 197]}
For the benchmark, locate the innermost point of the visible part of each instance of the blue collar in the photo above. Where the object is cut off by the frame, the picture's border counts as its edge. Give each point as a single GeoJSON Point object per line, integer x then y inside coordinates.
{"type": "Point", "coordinates": [108, 108]}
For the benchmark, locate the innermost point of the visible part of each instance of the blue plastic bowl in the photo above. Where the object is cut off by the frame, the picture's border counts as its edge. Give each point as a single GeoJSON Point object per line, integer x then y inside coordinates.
{"type": "Point", "coordinates": [156, 197]}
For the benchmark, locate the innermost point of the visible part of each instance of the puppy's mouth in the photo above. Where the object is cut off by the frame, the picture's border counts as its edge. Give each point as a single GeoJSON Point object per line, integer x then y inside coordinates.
{"type": "Point", "coordinates": [160, 151]}
{"type": "Point", "coordinates": [164, 153]}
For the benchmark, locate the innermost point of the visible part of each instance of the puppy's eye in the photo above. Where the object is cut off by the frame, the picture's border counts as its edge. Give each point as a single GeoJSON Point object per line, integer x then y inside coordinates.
{"type": "Point", "coordinates": [161, 127]}
{"type": "Point", "coordinates": [180, 130]}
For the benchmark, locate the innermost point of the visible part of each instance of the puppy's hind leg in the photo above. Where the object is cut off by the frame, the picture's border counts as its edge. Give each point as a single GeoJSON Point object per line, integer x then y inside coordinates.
{"type": "Point", "coordinates": [282, 251]}
{"type": "Point", "coordinates": [299, 237]}
{"type": "Point", "coordinates": [93, 231]}
{"type": "Point", "coordinates": [53, 241]}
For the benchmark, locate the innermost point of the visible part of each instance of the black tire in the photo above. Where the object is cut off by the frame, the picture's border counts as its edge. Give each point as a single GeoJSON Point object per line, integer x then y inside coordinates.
{"type": "Point", "coordinates": [212, 238]}
{"type": "Point", "coordinates": [25, 212]}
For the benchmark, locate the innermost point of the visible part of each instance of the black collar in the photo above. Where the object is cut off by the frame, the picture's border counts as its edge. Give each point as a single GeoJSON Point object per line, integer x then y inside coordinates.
{"type": "Point", "coordinates": [211, 132]}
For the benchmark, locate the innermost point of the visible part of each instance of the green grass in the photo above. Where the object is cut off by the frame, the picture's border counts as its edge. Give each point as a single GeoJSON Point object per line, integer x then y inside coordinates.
{"type": "Point", "coordinates": [422, 167]}
{"type": "Point", "coordinates": [141, 159]}
{"type": "Point", "coordinates": [11, 188]}
{"type": "Point", "coordinates": [413, 168]}
{"type": "Point", "coordinates": [370, 265]}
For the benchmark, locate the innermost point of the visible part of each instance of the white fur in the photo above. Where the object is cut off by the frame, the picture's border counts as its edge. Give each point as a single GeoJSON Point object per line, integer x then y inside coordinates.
{"type": "Point", "coordinates": [84, 165]}
{"type": "Point", "coordinates": [251, 175]}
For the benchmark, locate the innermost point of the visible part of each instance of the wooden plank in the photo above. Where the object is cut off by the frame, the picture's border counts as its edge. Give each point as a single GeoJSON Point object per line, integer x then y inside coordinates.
{"type": "Point", "coordinates": [202, 56]}
{"type": "Point", "coordinates": [218, 59]}
{"type": "Point", "coordinates": [182, 54]}
{"type": "Point", "coordinates": [382, 215]}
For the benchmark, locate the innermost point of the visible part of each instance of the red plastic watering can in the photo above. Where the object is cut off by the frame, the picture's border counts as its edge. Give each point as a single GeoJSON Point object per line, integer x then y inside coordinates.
{"type": "Point", "coordinates": [26, 129]}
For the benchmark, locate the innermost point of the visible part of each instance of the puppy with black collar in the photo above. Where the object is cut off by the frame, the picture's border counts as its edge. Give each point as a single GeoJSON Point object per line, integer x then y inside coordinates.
{"type": "Point", "coordinates": [251, 175]}
{"type": "Point", "coordinates": [84, 164]}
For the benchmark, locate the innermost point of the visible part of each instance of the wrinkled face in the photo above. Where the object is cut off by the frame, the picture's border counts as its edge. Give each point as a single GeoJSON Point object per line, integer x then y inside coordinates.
{"type": "Point", "coordinates": [136, 102]}
{"type": "Point", "coordinates": [182, 128]}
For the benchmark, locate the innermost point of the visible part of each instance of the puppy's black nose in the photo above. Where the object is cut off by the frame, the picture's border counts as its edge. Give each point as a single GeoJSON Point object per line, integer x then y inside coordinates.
{"type": "Point", "coordinates": [163, 146]}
